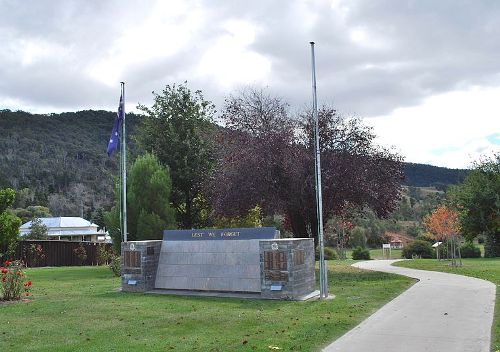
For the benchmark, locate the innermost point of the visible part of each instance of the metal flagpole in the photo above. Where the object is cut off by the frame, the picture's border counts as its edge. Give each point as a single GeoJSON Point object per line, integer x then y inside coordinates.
{"type": "Point", "coordinates": [124, 166]}
{"type": "Point", "coordinates": [323, 293]}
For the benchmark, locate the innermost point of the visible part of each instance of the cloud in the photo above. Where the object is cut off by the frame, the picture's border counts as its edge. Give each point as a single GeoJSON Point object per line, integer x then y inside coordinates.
{"type": "Point", "coordinates": [374, 58]}
{"type": "Point", "coordinates": [450, 129]}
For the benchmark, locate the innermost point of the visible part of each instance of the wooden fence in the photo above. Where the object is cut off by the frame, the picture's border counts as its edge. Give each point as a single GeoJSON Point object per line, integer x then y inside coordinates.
{"type": "Point", "coordinates": [59, 253]}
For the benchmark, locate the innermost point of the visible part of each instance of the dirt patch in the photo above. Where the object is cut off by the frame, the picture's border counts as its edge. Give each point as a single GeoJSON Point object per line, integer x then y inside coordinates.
{"type": "Point", "coordinates": [6, 303]}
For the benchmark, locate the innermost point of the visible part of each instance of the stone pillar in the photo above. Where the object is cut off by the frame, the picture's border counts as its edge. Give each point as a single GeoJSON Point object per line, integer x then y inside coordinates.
{"type": "Point", "coordinates": [139, 262]}
{"type": "Point", "coordinates": [287, 268]}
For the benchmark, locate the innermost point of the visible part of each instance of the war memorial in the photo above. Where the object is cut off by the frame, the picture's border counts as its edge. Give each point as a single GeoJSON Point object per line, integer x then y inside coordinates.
{"type": "Point", "coordinates": [243, 262]}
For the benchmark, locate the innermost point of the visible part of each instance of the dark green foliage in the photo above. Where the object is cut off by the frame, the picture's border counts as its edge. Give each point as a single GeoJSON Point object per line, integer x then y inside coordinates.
{"type": "Point", "coordinates": [468, 250]}
{"type": "Point", "coordinates": [417, 248]}
{"type": "Point", "coordinates": [38, 231]}
{"type": "Point", "coordinates": [148, 204]}
{"type": "Point", "coordinates": [420, 175]}
{"type": "Point", "coordinates": [478, 200]}
{"type": "Point", "coordinates": [330, 253]}
{"type": "Point", "coordinates": [98, 219]}
{"type": "Point", "coordinates": [360, 253]}
{"type": "Point", "coordinates": [9, 223]}
{"type": "Point", "coordinates": [45, 155]}
{"type": "Point", "coordinates": [177, 130]}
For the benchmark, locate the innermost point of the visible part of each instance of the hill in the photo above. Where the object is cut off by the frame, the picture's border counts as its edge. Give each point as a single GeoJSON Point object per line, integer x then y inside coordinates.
{"type": "Point", "coordinates": [421, 175]}
{"type": "Point", "coordinates": [60, 160]}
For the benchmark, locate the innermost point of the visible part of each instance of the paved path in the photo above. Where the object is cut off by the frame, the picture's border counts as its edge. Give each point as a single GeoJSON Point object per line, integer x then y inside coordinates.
{"type": "Point", "coordinates": [441, 312]}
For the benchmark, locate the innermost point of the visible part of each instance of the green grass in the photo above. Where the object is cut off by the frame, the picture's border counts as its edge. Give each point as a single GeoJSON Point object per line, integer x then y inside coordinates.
{"type": "Point", "coordinates": [482, 268]}
{"type": "Point", "coordinates": [79, 309]}
{"type": "Point", "coordinates": [378, 254]}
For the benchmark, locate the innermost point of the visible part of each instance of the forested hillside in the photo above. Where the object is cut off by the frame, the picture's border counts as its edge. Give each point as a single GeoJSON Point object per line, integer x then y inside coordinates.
{"type": "Point", "coordinates": [60, 160]}
{"type": "Point", "coordinates": [421, 175]}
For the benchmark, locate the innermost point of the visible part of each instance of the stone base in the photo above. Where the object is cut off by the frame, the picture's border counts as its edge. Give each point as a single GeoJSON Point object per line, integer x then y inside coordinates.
{"type": "Point", "coordinates": [139, 262]}
{"type": "Point", "coordinates": [287, 268]}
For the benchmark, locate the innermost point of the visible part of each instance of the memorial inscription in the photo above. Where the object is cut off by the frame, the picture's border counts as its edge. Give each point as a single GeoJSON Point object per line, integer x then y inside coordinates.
{"type": "Point", "coordinates": [220, 234]}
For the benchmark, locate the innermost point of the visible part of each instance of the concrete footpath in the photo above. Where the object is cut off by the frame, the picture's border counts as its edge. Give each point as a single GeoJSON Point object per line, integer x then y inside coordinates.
{"type": "Point", "coordinates": [441, 312]}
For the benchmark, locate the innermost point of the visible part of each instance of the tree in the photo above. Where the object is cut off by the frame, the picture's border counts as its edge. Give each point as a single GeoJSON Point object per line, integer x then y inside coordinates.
{"type": "Point", "coordinates": [266, 158]}
{"type": "Point", "coordinates": [177, 129]}
{"type": "Point", "coordinates": [148, 202]}
{"type": "Point", "coordinates": [97, 218]}
{"type": "Point", "coordinates": [478, 201]}
{"type": "Point", "coordinates": [358, 237]}
{"type": "Point", "coordinates": [38, 230]}
{"type": "Point", "coordinates": [9, 223]}
{"type": "Point", "coordinates": [32, 211]}
{"type": "Point", "coordinates": [444, 225]}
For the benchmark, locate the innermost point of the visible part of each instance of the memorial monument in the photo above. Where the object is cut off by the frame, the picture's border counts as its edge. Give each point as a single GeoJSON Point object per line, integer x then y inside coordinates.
{"type": "Point", "coordinates": [226, 261]}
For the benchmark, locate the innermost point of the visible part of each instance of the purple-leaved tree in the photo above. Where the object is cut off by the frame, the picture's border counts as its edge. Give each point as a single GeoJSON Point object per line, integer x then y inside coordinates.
{"type": "Point", "coordinates": [265, 158]}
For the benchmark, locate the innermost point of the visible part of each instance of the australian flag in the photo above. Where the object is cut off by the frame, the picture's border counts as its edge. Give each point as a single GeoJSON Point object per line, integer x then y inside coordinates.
{"type": "Point", "coordinates": [115, 133]}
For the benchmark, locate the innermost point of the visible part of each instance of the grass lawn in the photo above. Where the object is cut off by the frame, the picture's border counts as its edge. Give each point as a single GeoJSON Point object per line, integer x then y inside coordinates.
{"type": "Point", "coordinates": [79, 309]}
{"type": "Point", "coordinates": [483, 268]}
{"type": "Point", "coordinates": [378, 254]}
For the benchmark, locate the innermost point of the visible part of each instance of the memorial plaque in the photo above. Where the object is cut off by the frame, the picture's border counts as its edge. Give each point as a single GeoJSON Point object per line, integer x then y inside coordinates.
{"type": "Point", "coordinates": [298, 257]}
{"type": "Point", "coordinates": [132, 259]}
{"type": "Point", "coordinates": [275, 260]}
{"type": "Point", "coordinates": [274, 275]}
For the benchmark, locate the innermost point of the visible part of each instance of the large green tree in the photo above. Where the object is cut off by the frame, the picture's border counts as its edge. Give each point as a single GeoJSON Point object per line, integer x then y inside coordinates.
{"type": "Point", "coordinates": [9, 223]}
{"type": "Point", "coordinates": [148, 202]}
{"type": "Point", "coordinates": [478, 200]}
{"type": "Point", "coordinates": [178, 130]}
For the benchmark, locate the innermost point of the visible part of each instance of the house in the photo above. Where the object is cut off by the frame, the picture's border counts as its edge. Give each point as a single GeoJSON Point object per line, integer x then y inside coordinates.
{"type": "Point", "coordinates": [69, 229]}
{"type": "Point", "coordinates": [397, 240]}
{"type": "Point", "coordinates": [396, 243]}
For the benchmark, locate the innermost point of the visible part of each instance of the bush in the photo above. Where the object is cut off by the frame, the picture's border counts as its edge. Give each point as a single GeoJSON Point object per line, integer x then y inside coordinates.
{"type": "Point", "coordinates": [115, 264]}
{"type": "Point", "coordinates": [417, 248]}
{"type": "Point", "coordinates": [468, 250]}
{"type": "Point", "coordinates": [81, 253]}
{"type": "Point", "coordinates": [330, 253]}
{"type": "Point", "coordinates": [103, 255]}
{"type": "Point", "coordinates": [360, 253]}
{"type": "Point", "coordinates": [13, 281]}
{"type": "Point", "coordinates": [37, 254]}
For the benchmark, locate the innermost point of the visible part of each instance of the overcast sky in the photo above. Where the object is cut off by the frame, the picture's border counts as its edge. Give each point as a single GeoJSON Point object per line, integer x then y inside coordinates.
{"type": "Point", "coordinates": [424, 74]}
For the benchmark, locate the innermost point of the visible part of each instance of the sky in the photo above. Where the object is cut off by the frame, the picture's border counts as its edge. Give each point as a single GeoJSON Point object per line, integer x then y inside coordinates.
{"type": "Point", "coordinates": [425, 74]}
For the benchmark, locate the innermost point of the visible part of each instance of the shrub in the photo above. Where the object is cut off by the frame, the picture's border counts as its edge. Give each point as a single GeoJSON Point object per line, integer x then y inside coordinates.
{"type": "Point", "coordinates": [13, 281]}
{"type": "Point", "coordinates": [468, 250]}
{"type": "Point", "coordinates": [360, 253]}
{"type": "Point", "coordinates": [37, 254]}
{"type": "Point", "coordinates": [103, 255]}
{"type": "Point", "coordinates": [417, 248]}
{"type": "Point", "coordinates": [81, 253]}
{"type": "Point", "coordinates": [329, 252]}
{"type": "Point", "coordinates": [115, 264]}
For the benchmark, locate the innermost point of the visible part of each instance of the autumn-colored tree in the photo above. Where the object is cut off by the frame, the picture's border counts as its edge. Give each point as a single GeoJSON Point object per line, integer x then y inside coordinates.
{"type": "Point", "coordinates": [443, 223]}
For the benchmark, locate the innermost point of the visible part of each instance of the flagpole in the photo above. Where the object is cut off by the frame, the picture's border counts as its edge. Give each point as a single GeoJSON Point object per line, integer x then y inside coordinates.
{"type": "Point", "coordinates": [124, 168]}
{"type": "Point", "coordinates": [323, 285]}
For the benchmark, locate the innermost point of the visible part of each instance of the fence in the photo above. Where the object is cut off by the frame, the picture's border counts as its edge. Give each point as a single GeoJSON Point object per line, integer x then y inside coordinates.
{"type": "Point", "coordinates": [58, 253]}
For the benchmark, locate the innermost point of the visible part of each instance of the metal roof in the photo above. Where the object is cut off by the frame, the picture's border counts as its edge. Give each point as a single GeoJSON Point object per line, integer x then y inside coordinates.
{"type": "Point", "coordinates": [65, 226]}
